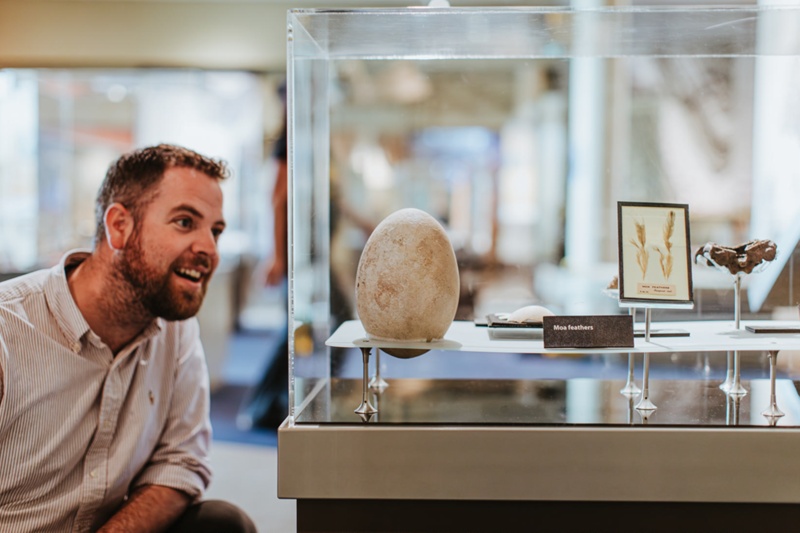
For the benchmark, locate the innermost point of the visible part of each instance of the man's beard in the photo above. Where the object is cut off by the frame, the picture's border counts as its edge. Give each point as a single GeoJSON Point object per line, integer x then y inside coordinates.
{"type": "Point", "coordinates": [152, 287]}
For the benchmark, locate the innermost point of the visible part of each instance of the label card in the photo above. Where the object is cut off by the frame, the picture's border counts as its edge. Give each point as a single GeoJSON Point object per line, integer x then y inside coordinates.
{"type": "Point", "coordinates": [605, 331]}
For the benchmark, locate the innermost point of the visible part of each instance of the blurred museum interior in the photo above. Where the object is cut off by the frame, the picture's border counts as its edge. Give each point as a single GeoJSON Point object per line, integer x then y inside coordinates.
{"type": "Point", "coordinates": [522, 161]}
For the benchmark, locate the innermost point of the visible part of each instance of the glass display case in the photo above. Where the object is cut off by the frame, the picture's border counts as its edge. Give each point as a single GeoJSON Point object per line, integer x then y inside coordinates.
{"type": "Point", "coordinates": [520, 129]}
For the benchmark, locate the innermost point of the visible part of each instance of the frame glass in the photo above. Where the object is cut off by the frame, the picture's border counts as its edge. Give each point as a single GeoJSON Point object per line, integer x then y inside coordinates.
{"type": "Point", "coordinates": [654, 255]}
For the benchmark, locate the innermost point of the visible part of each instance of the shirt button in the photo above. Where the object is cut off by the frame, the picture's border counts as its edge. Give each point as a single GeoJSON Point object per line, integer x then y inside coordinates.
{"type": "Point", "coordinates": [93, 474]}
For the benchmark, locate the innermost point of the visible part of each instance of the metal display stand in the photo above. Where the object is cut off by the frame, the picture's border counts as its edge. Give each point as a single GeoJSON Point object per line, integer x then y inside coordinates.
{"type": "Point", "coordinates": [377, 383]}
{"type": "Point", "coordinates": [735, 387]}
{"type": "Point", "coordinates": [644, 403]}
{"type": "Point", "coordinates": [733, 384]}
{"type": "Point", "coordinates": [630, 388]}
{"type": "Point", "coordinates": [772, 411]}
{"type": "Point", "coordinates": [366, 409]}
{"type": "Point", "coordinates": [710, 336]}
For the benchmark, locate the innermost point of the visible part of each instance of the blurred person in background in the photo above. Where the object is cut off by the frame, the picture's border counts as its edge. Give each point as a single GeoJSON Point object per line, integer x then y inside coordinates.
{"type": "Point", "coordinates": [268, 404]}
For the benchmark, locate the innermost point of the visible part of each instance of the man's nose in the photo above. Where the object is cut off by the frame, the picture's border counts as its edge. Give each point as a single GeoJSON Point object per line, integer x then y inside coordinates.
{"type": "Point", "coordinates": [205, 243]}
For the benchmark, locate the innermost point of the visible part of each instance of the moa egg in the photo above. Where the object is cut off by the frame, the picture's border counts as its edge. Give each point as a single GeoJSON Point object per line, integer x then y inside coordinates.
{"type": "Point", "coordinates": [407, 284]}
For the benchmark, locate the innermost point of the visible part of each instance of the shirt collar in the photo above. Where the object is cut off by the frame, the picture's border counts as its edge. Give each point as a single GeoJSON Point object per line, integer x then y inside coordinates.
{"type": "Point", "coordinates": [60, 301]}
{"type": "Point", "coordinates": [69, 318]}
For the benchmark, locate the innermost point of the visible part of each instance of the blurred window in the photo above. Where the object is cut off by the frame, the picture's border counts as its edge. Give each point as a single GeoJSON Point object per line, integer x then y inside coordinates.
{"type": "Point", "coordinates": [60, 129]}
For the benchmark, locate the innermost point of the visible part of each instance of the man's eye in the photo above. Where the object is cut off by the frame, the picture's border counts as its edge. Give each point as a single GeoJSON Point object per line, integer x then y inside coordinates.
{"type": "Point", "coordinates": [216, 232]}
{"type": "Point", "coordinates": [184, 222]}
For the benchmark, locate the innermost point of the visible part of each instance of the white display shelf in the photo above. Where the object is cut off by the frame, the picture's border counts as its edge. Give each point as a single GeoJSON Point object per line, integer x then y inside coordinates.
{"type": "Point", "coordinates": [711, 336]}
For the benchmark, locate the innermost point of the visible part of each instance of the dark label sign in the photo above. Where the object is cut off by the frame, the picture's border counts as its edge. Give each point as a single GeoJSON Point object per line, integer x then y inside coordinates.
{"type": "Point", "coordinates": [607, 331]}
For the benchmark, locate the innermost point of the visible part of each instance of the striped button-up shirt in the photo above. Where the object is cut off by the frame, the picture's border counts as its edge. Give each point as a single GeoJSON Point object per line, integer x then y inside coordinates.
{"type": "Point", "coordinates": [80, 428]}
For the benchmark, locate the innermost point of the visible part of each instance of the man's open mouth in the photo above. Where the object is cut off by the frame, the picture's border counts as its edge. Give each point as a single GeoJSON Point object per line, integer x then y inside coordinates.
{"type": "Point", "coordinates": [190, 274]}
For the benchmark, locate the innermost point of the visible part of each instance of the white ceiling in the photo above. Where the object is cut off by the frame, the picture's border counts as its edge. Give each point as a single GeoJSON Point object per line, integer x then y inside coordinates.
{"type": "Point", "coordinates": [223, 34]}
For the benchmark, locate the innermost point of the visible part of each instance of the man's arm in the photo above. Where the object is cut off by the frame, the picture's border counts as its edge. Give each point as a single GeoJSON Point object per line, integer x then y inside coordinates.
{"type": "Point", "coordinates": [151, 508]}
{"type": "Point", "coordinates": [180, 458]}
{"type": "Point", "coordinates": [278, 268]}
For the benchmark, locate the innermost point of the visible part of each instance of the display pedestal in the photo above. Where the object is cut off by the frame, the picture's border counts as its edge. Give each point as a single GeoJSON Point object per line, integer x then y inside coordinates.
{"type": "Point", "coordinates": [403, 478]}
{"type": "Point", "coordinates": [419, 516]}
{"type": "Point", "coordinates": [439, 472]}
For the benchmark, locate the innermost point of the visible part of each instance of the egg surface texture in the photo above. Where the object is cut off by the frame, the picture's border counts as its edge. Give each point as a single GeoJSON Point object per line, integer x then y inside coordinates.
{"type": "Point", "coordinates": [407, 282]}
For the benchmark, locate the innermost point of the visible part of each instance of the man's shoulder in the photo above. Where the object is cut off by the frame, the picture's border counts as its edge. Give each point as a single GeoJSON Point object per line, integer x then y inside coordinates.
{"type": "Point", "coordinates": [16, 291]}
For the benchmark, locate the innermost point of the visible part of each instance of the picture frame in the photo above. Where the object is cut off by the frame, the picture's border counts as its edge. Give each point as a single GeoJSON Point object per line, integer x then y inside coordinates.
{"type": "Point", "coordinates": [655, 259]}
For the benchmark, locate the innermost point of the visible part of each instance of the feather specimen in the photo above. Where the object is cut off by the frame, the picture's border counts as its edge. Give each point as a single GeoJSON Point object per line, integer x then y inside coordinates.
{"type": "Point", "coordinates": [642, 255]}
{"type": "Point", "coordinates": [665, 258]}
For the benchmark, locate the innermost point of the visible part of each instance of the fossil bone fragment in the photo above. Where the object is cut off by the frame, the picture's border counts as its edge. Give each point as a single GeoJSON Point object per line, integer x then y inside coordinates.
{"type": "Point", "coordinates": [745, 258]}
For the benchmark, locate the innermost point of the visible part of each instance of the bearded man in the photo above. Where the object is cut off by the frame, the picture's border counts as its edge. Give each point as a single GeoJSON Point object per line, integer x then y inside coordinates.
{"type": "Point", "coordinates": [104, 390]}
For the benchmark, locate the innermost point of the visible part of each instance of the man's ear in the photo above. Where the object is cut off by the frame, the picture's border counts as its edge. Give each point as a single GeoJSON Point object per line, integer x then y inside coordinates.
{"type": "Point", "coordinates": [119, 226]}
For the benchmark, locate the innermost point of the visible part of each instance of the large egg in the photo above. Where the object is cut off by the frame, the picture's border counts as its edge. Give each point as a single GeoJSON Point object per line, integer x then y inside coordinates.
{"type": "Point", "coordinates": [407, 281]}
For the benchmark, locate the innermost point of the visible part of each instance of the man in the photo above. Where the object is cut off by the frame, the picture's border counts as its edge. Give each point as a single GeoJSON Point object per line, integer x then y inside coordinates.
{"type": "Point", "coordinates": [103, 384]}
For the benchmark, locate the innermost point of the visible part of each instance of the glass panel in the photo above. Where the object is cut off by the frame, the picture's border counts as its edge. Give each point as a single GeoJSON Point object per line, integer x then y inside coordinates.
{"type": "Point", "coordinates": [683, 402]}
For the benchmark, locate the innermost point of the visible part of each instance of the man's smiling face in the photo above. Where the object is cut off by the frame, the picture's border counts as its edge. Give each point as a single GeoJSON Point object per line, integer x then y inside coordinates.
{"type": "Point", "coordinates": [172, 253]}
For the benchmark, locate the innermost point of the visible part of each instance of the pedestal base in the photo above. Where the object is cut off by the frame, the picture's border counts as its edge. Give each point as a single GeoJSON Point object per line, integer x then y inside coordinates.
{"type": "Point", "coordinates": [425, 516]}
